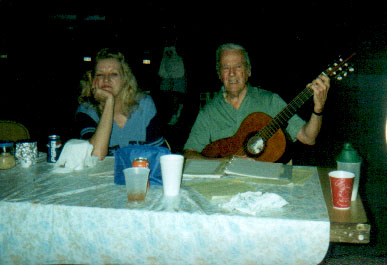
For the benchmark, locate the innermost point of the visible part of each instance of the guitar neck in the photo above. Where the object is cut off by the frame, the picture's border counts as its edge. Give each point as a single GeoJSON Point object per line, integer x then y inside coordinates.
{"type": "Point", "coordinates": [284, 116]}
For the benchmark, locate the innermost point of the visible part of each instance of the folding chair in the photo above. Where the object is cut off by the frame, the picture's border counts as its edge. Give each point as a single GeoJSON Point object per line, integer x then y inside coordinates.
{"type": "Point", "coordinates": [13, 131]}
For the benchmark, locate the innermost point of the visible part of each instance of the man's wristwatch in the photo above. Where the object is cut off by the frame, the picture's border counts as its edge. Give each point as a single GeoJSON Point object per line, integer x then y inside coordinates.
{"type": "Point", "coordinates": [318, 114]}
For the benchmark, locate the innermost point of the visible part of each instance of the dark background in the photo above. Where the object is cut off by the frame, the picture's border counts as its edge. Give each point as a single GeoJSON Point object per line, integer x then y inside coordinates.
{"type": "Point", "coordinates": [289, 45]}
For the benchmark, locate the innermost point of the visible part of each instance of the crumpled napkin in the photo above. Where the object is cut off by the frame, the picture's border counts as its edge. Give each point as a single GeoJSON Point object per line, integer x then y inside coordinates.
{"type": "Point", "coordinates": [254, 202]}
{"type": "Point", "coordinates": [76, 155]}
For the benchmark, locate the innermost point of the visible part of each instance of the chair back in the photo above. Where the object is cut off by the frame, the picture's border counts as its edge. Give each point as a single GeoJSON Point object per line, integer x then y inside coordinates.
{"type": "Point", "coordinates": [13, 131]}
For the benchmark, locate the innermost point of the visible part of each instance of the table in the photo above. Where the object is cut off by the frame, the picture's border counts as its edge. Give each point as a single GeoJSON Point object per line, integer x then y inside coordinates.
{"type": "Point", "coordinates": [347, 226]}
{"type": "Point", "coordinates": [83, 217]}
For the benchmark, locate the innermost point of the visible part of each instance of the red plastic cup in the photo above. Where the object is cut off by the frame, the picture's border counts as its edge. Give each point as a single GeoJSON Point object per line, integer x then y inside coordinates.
{"type": "Point", "coordinates": [341, 188]}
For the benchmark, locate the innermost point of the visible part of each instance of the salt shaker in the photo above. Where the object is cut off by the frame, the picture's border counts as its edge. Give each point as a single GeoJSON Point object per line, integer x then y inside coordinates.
{"type": "Point", "coordinates": [349, 160]}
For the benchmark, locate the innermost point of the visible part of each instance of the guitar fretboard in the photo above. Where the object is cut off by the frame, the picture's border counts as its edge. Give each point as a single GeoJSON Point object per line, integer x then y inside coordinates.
{"type": "Point", "coordinates": [282, 118]}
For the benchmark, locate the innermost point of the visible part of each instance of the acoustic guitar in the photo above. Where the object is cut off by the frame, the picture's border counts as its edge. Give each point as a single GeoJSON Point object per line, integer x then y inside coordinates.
{"type": "Point", "coordinates": [260, 136]}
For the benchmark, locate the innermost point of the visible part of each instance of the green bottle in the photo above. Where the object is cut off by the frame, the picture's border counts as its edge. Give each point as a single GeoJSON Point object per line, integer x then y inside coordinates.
{"type": "Point", "coordinates": [349, 160]}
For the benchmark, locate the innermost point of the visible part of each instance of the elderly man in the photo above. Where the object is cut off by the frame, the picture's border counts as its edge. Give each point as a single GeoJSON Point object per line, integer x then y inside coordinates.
{"type": "Point", "coordinates": [222, 117]}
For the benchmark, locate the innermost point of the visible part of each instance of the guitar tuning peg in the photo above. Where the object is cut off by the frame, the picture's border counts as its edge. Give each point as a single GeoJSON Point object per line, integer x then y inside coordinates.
{"type": "Point", "coordinates": [340, 69]}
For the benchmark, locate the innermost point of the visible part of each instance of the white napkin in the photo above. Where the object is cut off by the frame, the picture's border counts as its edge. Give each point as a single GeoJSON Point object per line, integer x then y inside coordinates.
{"type": "Point", "coordinates": [254, 202]}
{"type": "Point", "coordinates": [76, 155]}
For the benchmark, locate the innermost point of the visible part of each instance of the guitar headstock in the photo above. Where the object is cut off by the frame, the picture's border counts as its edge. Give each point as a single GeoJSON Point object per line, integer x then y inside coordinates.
{"type": "Point", "coordinates": [340, 69]}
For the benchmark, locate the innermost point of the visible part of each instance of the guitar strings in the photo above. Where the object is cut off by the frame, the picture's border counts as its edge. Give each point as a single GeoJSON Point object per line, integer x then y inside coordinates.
{"type": "Point", "coordinates": [286, 114]}
{"type": "Point", "coordinates": [272, 127]}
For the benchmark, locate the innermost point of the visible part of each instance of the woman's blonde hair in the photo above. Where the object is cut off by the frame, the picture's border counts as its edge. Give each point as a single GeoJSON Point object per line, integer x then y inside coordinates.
{"type": "Point", "coordinates": [130, 93]}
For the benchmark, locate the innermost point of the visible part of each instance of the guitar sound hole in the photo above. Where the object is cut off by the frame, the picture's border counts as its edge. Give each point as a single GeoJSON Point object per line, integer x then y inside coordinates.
{"type": "Point", "coordinates": [254, 136]}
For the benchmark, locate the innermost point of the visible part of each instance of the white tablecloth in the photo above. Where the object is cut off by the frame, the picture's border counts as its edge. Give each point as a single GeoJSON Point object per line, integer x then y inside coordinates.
{"type": "Point", "coordinates": [85, 218]}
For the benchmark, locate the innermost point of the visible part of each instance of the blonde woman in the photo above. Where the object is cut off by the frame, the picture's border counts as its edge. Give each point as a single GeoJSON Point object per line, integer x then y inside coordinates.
{"type": "Point", "coordinates": [113, 112]}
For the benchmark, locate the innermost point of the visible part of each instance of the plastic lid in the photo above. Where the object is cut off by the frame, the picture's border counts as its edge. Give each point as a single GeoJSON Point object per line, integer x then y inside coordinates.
{"type": "Point", "coordinates": [349, 154]}
{"type": "Point", "coordinates": [6, 144]}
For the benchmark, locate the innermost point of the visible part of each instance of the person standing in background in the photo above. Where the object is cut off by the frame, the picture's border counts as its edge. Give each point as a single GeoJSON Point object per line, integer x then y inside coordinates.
{"type": "Point", "coordinates": [173, 80]}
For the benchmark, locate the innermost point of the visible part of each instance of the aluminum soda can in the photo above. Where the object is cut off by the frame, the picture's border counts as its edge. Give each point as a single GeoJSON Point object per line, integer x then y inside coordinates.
{"type": "Point", "coordinates": [54, 146]}
{"type": "Point", "coordinates": [140, 162]}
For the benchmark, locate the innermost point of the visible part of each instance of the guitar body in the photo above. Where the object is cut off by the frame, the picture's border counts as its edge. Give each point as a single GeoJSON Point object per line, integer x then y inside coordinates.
{"type": "Point", "coordinates": [235, 145]}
